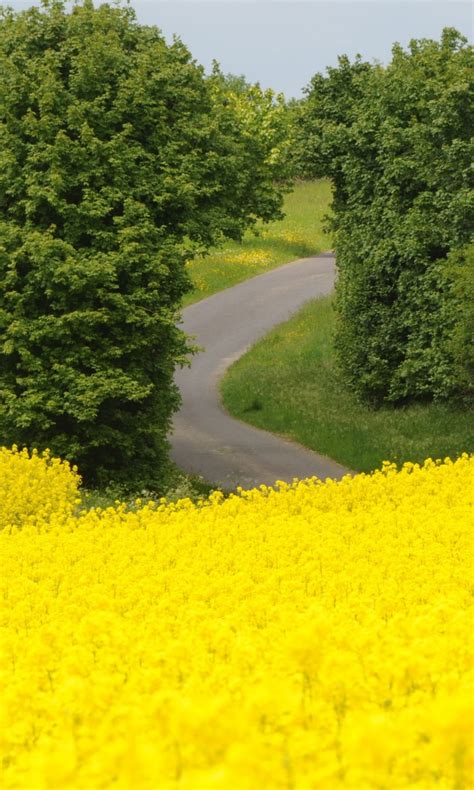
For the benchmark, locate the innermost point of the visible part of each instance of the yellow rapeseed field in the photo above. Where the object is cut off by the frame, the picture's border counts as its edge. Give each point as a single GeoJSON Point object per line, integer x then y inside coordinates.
{"type": "Point", "coordinates": [317, 635]}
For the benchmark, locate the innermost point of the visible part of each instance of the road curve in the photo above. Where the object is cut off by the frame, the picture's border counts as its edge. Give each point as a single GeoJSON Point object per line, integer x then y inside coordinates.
{"type": "Point", "coordinates": [205, 440]}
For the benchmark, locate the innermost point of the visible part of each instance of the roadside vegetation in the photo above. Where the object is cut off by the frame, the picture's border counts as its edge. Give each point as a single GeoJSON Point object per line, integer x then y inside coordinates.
{"type": "Point", "coordinates": [180, 486]}
{"type": "Point", "coordinates": [119, 161]}
{"type": "Point", "coordinates": [290, 383]}
{"type": "Point", "coordinates": [384, 370]}
{"type": "Point", "coordinates": [396, 142]}
{"type": "Point", "coordinates": [299, 234]}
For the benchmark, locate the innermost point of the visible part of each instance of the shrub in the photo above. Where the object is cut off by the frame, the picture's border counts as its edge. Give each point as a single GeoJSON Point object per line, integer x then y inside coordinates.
{"type": "Point", "coordinates": [459, 309]}
{"type": "Point", "coordinates": [116, 164]}
{"type": "Point", "coordinates": [397, 143]}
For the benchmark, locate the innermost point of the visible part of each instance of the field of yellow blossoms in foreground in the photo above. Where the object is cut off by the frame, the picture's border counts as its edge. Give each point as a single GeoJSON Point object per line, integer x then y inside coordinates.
{"type": "Point", "coordinates": [312, 636]}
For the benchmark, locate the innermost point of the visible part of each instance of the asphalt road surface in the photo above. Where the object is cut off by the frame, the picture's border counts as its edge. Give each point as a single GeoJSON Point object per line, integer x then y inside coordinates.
{"type": "Point", "coordinates": [205, 440]}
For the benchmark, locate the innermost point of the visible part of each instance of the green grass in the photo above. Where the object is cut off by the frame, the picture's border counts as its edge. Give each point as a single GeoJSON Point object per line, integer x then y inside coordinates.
{"type": "Point", "coordinates": [298, 235]}
{"type": "Point", "coordinates": [289, 384]}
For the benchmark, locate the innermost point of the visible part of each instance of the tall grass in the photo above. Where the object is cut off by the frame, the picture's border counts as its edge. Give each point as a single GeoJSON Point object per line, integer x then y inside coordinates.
{"type": "Point", "coordinates": [299, 235]}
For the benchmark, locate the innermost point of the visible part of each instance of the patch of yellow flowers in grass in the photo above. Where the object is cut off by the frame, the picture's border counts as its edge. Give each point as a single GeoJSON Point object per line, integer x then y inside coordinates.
{"type": "Point", "coordinates": [289, 236]}
{"type": "Point", "coordinates": [246, 257]}
{"type": "Point", "coordinates": [315, 635]}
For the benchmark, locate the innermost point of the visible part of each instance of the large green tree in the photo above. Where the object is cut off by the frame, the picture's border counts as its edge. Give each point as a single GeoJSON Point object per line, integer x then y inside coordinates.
{"type": "Point", "coordinates": [117, 162]}
{"type": "Point", "coordinates": [256, 122]}
{"type": "Point", "coordinates": [397, 143]}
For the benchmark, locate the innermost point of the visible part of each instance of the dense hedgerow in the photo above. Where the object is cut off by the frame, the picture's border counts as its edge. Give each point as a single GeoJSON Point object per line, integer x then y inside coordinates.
{"type": "Point", "coordinates": [309, 636]}
{"type": "Point", "coordinates": [397, 142]}
{"type": "Point", "coordinates": [118, 161]}
{"type": "Point", "coordinates": [458, 273]}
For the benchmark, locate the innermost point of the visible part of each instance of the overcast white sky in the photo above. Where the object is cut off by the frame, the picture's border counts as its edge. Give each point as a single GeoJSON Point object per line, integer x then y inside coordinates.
{"type": "Point", "coordinates": [282, 43]}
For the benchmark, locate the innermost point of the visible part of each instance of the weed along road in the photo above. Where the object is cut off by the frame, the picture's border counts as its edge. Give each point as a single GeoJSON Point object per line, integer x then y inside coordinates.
{"type": "Point", "coordinates": [205, 439]}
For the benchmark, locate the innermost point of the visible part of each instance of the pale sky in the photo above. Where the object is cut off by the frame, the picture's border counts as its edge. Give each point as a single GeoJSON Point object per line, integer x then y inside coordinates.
{"type": "Point", "coordinates": [282, 43]}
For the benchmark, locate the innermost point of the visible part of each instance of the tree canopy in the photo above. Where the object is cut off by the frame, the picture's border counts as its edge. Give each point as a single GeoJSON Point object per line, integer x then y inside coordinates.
{"type": "Point", "coordinates": [397, 143]}
{"type": "Point", "coordinates": [118, 160]}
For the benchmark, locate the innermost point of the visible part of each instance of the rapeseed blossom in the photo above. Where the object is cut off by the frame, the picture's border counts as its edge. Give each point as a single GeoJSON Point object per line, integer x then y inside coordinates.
{"type": "Point", "coordinates": [33, 488]}
{"type": "Point", "coordinates": [313, 635]}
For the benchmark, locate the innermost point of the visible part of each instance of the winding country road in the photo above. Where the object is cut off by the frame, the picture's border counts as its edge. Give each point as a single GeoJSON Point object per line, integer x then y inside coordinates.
{"type": "Point", "coordinates": [205, 440]}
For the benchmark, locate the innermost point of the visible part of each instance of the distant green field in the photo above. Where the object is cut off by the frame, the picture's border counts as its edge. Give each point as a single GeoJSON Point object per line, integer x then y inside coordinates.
{"type": "Point", "coordinates": [298, 235]}
{"type": "Point", "coordinates": [288, 383]}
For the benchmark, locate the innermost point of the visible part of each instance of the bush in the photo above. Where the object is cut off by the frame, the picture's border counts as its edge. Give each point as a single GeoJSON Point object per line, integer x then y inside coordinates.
{"type": "Point", "coordinates": [397, 143]}
{"type": "Point", "coordinates": [459, 271]}
{"type": "Point", "coordinates": [116, 164]}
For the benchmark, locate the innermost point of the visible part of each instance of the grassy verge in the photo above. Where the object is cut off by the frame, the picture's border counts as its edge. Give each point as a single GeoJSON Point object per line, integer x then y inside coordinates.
{"type": "Point", "coordinates": [298, 235]}
{"type": "Point", "coordinates": [289, 384]}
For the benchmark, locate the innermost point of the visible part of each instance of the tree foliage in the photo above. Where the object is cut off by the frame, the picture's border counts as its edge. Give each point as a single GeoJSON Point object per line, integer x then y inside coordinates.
{"type": "Point", "coordinates": [397, 143]}
{"type": "Point", "coordinates": [458, 273]}
{"type": "Point", "coordinates": [257, 124]}
{"type": "Point", "coordinates": [116, 163]}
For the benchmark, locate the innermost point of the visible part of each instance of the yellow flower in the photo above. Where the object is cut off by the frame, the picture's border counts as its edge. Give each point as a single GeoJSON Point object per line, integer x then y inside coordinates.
{"type": "Point", "coordinates": [312, 635]}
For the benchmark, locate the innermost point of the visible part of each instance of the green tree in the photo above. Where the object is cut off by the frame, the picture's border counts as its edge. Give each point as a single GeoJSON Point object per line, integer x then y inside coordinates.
{"type": "Point", "coordinates": [255, 123]}
{"type": "Point", "coordinates": [230, 83]}
{"type": "Point", "coordinates": [457, 274]}
{"type": "Point", "coordinates": [397, 142]}
{"type": "Point", "coordinates": [116, 164]}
